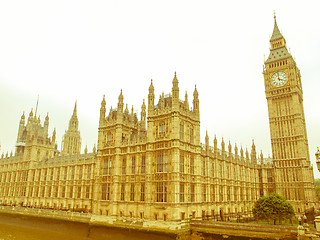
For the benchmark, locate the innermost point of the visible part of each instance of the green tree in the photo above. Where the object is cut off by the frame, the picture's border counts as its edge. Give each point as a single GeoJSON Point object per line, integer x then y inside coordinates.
{"type": "Point", "coordinates": [317, 183]}
{"type": "Point", "coordinates": [272, 207]}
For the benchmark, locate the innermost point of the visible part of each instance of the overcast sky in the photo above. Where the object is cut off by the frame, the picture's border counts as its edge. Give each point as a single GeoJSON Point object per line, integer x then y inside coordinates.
{"type": "Point", "coordinates": [66, 50]}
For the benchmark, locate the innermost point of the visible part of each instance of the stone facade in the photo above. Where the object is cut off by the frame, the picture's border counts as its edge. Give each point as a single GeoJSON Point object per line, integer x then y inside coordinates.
{"type": "Point", "coordinates": [155, 168]}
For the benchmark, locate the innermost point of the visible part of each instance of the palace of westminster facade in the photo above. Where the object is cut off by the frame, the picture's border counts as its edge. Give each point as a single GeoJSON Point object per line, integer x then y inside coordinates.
{"type": "Point", "coordinates": [156, 168]}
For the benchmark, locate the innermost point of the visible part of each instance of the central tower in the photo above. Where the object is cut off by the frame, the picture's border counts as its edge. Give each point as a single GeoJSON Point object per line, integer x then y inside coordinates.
{"type": "Point", "coordinates": [293, 172]}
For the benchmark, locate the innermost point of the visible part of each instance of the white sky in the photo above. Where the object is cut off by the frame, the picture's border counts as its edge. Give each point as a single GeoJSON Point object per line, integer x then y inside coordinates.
{"type": "Point", "coordinates": [66, 50]}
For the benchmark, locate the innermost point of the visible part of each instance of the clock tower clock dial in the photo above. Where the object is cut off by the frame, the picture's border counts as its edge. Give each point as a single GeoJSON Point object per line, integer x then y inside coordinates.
{"type": "Point", "coordinates": [279, 79]}
{"type": "Point", "coordinates": [292, 169]}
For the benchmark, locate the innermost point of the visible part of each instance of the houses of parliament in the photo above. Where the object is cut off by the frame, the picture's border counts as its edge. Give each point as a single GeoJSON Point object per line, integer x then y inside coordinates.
{"type": "Point", "coordinates": [153, 167]}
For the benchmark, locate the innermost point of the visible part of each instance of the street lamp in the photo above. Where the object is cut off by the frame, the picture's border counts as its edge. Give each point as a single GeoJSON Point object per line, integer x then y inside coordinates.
{"type": "Point", "coordinates": [318, 159]}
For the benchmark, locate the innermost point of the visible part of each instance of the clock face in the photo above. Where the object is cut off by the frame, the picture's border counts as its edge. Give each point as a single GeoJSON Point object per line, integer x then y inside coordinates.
{"type": "Point", "coordinates": [279, 79]}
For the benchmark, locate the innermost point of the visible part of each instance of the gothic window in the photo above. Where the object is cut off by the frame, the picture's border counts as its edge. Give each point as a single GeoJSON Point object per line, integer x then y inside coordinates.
{"type": "Point", "coordinates": [80, 172]}
{"type": "Point", "coordinates": [143, 164]}
{"type": "Point", "coordinates": [143, 188]}
{"type": "Point", "coordinates": [58, 174]}
{"type": "Point", "coordinates": [73, 173]}
{"type": "Point", "coordinates": [104, 192]}
{"type": "Point", "coordinates": [89, 172]}
{"type": "Point", "coordinates": [181, 162]}
{"type": "Point", "coordinates": [124, 165]}
{"type": "Point", "coordinates": [203, 167]}
{"type": "Point", "coordinates": [181, 192]}
{"type": "Point", "coordinates": [105, 167]}
{"type": "Point", "coordinates": [45, 175]}
{"type": "Point", "coordinates": [133, 165]}
{"type": "Point", "coordinates": [228, 194]}
{"type": "Point", "coordinates": [235, 194]}
{"type": "Point", "coordinates": [109, 137]}
{"type": "Point", "coordinates": [162, 161]}
{"type": "Point", "coordinates": [71, 192]}
{"type": "Point", "coordinates": [191, 135]}
{"type": "Point", "coordinates": [181, 131]}
{"type": "Point", "coordinates": [122, 192]}
{"type": "Point", "coordinates": [204, 193]}
{"type": "Point", "coordinates": [87, 192]}
{"type": "Point", "coordinates": [192, 192]}
{"type": "Point", "coordinates": [79, 192]}
{"type": "Point", "coordinates": [212, 169]}
{"type": "Point", "coordinates": [63, 192]}
{"type": "Point", "coordinates": [162, 192]}
{"type": "Point", "coordinates": [162, 129]}
{"type": "Point", "coordinates": [65, 173]}
{"type": "Point", "coordinates": [191, 164]}
{"type": "Point", "coordinates": [221, 194]}
{"type": "Point", "coordinates": [49, 191]}
{"type": "Point", "coordinates": [213, 197]}
{"type": "Point", "coordinates": [132, 192]}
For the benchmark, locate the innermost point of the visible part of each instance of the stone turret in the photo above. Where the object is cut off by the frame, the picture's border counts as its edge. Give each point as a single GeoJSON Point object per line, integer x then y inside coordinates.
{"type": "Point", "coordinates": [71, 143]}
{"type": "Point", "coordinates": [175, 92]}
{"type": "Point", "coordinates": [151, 99]}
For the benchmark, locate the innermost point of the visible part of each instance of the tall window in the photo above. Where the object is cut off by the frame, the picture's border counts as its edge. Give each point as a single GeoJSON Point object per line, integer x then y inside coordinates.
{"type": "Point", "coordinates": [212, 194]}
{"type": "Point", "coordinates": [162, 129]}
{"type": "Point", "coordinates": [191, 164]}
{"type": "Point", "coordinates": [124, 165]}
{"type": "Point", "coordinates": [143, 189]}
{"type": "Point", "coordinates": [221, 194]}
{"type": "Point", "coordinates": [161, 192]}
{"type": "Point", "coordinates": [228, 194]}
{"type": "Point", "coordinates": [203, 167]}
{"type": "Point", "coordinates": [204, 193]}
{"type": "Point", "coordinates": [52, 173]}
{"type": "Point", "coordinates": [89, 172]}
{"type": "Point", "coordinates": [191, 135]}
{"type": "Point", "coordinates": [212, 169]}
{"type": "Point", "coordinates": [181, 131]}
{"type": "Point", "coordinates": [104, 192]}
{"type": "Point", "coordinates": [192, 192]}
{"type": "Point", "coordinates": [87, 192]}
{"type": "Point", "coordinates": [235, 193]}
{"type": "Point", "coordinates": [71, 192]}
{"type": "Point", "coordinates": [181, 192]}
{"type": "Point", "coordinates": [80, 172]}
{"type": "Point", "coordinates": [79, 192]}
{"type": "Point", "coordinates": [58, 174]}
{"type": "Point", "coordinates": [63, 192]}
{"type": "Point", "coordinates": [181, 162]}
{"type": "Point", "coordinates": [162, 161]}
{"type": "Point", "coordinates": [65, 173]}
{"type": "Point", "coordinates": [133, 165]}
{"type": "Point", "coordinates": [143, 164]}
{"type": "Point", "coordinates": [72, 172]}
{"type": "Point", "coordinates": [132, 192]}
{"type": "Point", "coordinates": [105, 167]}
{"type": "Point", "coordinates": [122, 192]}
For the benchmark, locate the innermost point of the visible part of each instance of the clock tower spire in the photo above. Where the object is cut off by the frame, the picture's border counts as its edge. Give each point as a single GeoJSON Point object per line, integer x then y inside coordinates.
{"type": "Point", "coordinates": [293, 171]}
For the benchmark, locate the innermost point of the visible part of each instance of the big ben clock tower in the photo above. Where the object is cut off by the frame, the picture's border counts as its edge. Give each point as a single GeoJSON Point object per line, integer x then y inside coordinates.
{"type": "Point", "coordinates": [293, 174]}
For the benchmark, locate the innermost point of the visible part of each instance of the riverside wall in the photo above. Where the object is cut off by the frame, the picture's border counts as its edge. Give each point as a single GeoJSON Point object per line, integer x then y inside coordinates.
{"type": "Point", "coordinates": [87, 226]}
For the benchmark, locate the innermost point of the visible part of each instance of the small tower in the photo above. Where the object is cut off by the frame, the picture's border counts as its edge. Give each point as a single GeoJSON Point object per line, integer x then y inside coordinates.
{"type": "Point", "coordinates": [120, 107]}
{"type": "Point", "coordinates": [253, 153]}
{"type": "Point", "coordinates": [196, 101]}
{"type": "Point", "coordinates": [175, 92]}
{"type": "Point", "coordinates": [71, 140]}
{"type": "Point", "coordinates": [143, 115]}
{"type": "Point", "coordinates": [102, 111]}
{"type": "Point", "coordinates": [151, 99]}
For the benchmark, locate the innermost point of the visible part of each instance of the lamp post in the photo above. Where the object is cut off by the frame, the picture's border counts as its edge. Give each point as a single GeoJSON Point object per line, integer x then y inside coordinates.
{"type": "Point", "coordinates": [318, 159]}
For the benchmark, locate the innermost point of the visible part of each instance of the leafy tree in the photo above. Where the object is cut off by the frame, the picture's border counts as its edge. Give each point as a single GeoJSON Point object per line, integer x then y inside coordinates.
{"type": "Point", "coordinates": [272, 207]}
